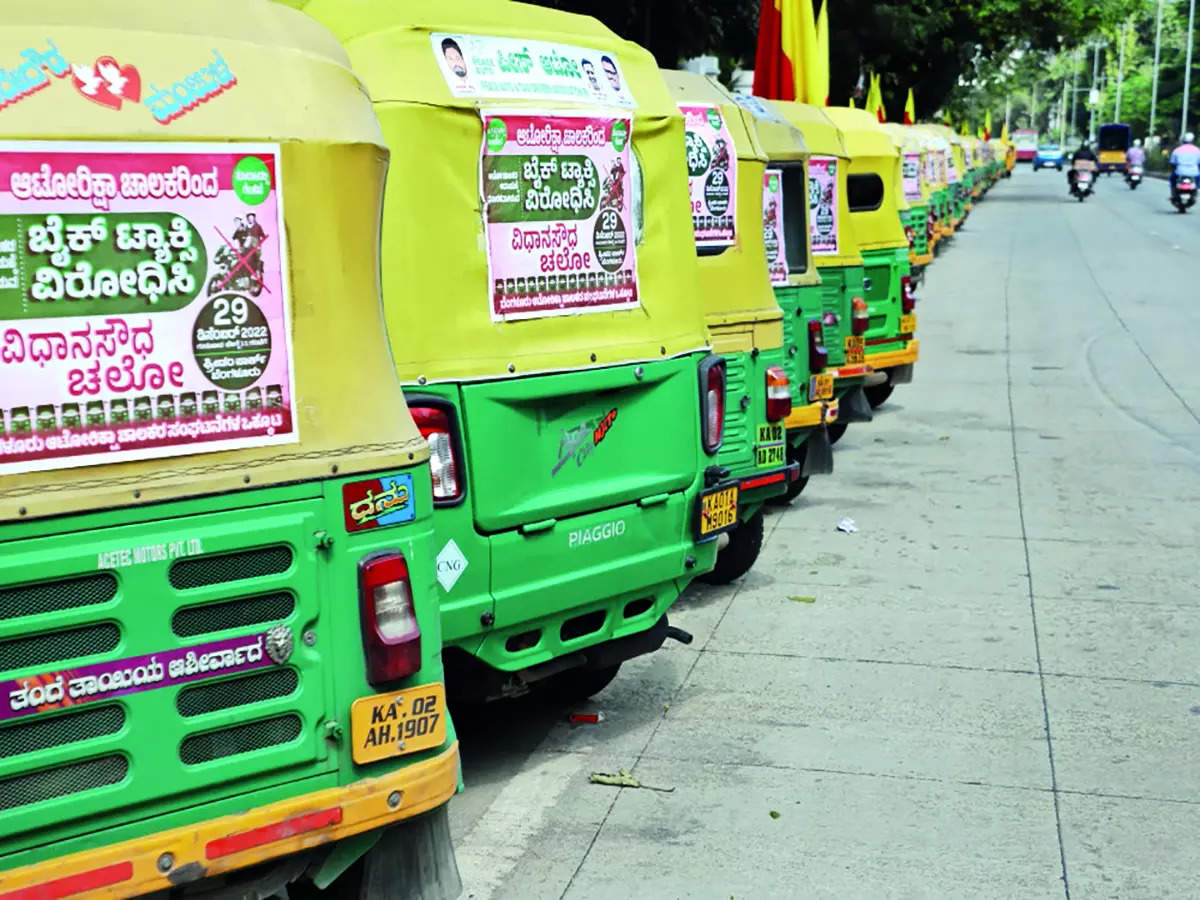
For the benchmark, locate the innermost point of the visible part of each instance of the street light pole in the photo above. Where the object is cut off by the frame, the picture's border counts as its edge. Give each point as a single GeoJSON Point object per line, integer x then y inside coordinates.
{"type": "Point", "coordinates": [1187, 70]}
{"type": "Point", "coordinates": [1121, 72]}
{"type": "Point", "coordinates": [1154, 83]}
{"type": "Point", "coordinates": [1074, 89]}
{"type": "Point", "coordinates": [1093, 95]}
{"type": "Point", "coordinates": [1062, 116]}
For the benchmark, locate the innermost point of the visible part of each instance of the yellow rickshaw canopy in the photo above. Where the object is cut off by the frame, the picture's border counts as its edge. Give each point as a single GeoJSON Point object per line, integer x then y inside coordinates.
{"type": "Point", "coordinates": [873, 152]}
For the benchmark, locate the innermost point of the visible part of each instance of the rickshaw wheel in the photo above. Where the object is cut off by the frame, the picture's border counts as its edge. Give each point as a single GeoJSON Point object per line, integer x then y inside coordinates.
{"type": "Point", "coordinates": [877, 394]}
{"type": "Point", "coordinates": [794, 455]}
{"type": "Point", "coordinates": [836, 431]}
{"type": "Point", "coordinates": [575, 685]}
{"type": "Point", "coordinates": [745, 543]}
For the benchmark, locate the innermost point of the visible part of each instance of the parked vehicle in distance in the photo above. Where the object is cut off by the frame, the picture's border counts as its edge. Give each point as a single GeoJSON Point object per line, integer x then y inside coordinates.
{"type": "Point", "coordinates": [1048, 155]}
{"type": "Point", "coordinates": [1114, 143]}
{"type": "Point", "coordinates": [1025, 140]}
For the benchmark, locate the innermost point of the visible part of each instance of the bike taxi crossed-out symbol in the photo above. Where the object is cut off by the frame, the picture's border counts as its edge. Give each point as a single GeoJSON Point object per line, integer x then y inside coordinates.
{"type": "Point", "coordinates": [242, 261]}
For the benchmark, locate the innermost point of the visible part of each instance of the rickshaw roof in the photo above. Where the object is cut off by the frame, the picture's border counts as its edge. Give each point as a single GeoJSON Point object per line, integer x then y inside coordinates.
{"type": "Point", "coordinates": [820, 133]}
{"type": "Point", "coordinates": [688, 87]}
{"type": "Point", "coordinates": [780, 139]}
{"type": "Point", "coordinates": [862, 135]}
{"type": "Point", "coordinates": [906, 137]}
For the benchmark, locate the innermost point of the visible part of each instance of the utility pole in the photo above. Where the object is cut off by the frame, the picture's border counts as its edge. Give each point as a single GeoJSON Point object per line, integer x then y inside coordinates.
{"type": "Point", "coordinates": [1033, 108]}
{"type": "Point", "coordinates": [1187, 70]}
{"type": "Point", "coordinates": [1062, 114]}
{"type": "Point", "coordinates": [1121, 72]}
{"type": "Point", "coordinates": [1094, 94]}
{"type": "Point", "coordinates": [1074, 89]}
{"type": "Point", "coordinates": [1154, 83]}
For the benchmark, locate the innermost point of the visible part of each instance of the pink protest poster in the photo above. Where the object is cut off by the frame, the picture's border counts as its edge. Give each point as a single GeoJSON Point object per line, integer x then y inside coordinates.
{"type": "Point", "coordinates": [143, 312]}
{"type": "Point", "coordinates": [558, 214]}
{"type": "Point", "coordinates": [823, 204]}
{"type": "Point", "coordinates": [772, 203]}
{"type": "Point", "coordinates": [712, 175]}
{"type": "Point", "coordinates": [910, 176]}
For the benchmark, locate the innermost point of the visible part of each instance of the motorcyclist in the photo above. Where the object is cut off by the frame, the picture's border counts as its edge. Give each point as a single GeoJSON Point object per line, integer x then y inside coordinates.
{"type": "Point", "coordinates": [1185, 160]}
{"type": "Point", "coordinates": [1135, 156]}
{"type": "Point", "coordinates": [1083, 154]}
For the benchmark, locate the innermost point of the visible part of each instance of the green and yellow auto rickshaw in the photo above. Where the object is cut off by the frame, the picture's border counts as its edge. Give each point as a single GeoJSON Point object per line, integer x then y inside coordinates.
{"type": "Point", "coordinates": [844, 314]}
{"type": "Point", "coordinates": [797, 286]}
{"type": "Point", "coordinates": [938, 157]}
{"type": "Point", "coordinates": [914, 188]}
{"type": "Point", "coordinates": [220, 648]}
{"type": "Point", "coordinates": [873, 199]}
{"type": "Point", "coordinates": [726, 166]}
{"type": "Point", "coordinates": [540, 285]}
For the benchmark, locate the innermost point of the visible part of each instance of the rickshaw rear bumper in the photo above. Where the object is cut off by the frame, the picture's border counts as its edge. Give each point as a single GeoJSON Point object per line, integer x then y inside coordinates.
{"type": "Point", "coordinates": [894, 359]}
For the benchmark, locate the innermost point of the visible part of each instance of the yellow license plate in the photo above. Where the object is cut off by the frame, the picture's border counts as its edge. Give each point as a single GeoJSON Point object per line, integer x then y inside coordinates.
{"type": "Point", "coordinates": [820, 387]}
{"type": "Point", "coordinates": [908, 324]}
{"type": "Point", "coordinates": [398, 723]}
{"type": "Point", "coordinates": [769, 447]}
{"type": "Point", "coordinates": [854, 350]}
{"type": "Point", "coordinates": [718, 511]}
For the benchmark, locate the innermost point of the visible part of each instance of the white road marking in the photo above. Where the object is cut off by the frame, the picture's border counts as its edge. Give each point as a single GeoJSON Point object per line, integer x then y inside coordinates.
{"type": "Point", "coordinates": [501, 837]}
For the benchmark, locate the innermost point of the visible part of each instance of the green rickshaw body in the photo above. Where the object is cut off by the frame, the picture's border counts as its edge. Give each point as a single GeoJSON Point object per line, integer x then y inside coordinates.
{"type": "Point", "coordinates": [836, 258]}
{"type": "Point", "coordinates": [211, 614]}
{"type": "Point", "coordinates": [914, 186]}
{"type": "Point", "coordinates": [544, 326]}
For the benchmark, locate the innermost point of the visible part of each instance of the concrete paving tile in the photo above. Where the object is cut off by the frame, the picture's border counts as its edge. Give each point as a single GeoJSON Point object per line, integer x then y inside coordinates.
{"type": "Point", "coordinates": [1127, 738]}
{"type": "Point", "coordinates": [952, 724]}
{"type": "Point", "coordinates": [836, 836]}
{"type": "Point", "coordinates": [1118, 849]}
{"type": "Point", "coordinates": [1129, 570]}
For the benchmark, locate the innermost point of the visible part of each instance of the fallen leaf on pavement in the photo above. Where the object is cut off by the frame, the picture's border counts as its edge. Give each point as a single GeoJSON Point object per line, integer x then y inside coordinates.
{"type": "Point", "coordinates": [803, 599]}
{"type": "Point", "coordinates": [623, 778]}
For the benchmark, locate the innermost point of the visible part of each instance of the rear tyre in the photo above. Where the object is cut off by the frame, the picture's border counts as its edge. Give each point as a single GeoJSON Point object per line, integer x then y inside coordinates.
{"type": "Point", "coordinates": [836, 431]}
{"type": "Point", "coordinates": [745, 543]}
{"type": "Point", "coordinates": [577, 685]}
{"type": "Point", "coordinates": [877, 394]}
{"type": "Point", "coordinates": [794, 455]}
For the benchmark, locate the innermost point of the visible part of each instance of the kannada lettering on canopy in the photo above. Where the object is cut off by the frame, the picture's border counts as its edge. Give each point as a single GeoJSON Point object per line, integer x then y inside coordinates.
{"type": "Point", "coordinates": [484, 66]}
{"type": "Point", "coordinates": [773, 235]}
{"type": "Point", "coordinates": [143, 312]}
{"type": "Point", "coordinates": [823, 204]}
{"type": "Point", "coordinates": [910, 176]}
{"type": "Point", "coordinates": [558, 215]}
{"type": "Point", "coordinates": [712, 175]}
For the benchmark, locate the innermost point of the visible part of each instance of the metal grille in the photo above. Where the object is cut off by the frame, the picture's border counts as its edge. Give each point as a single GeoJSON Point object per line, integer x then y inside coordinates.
{"type": "Point", "coordinates": [206, 698]}
{"type": "Point", "coordinates": [833, 301]}
{"type": "Point", "coordinates": [52, 596]}
{"type": "Point", "coordinates": [39, 649]}
{"type": "Point", "coordinates": [71, 728]}
{"type": "Point", "coordinates": [194, 620]}
{"type": "Point", "coordinates": [736, 444]}
{"type": "Point", "coordinates": [239, 739]}
{"type": "Point", "coordinates": [201, 571]}
{"type": "Point", "coordinates": [74, 778]}
{"type": "Point", "coordinates": [795, 334]}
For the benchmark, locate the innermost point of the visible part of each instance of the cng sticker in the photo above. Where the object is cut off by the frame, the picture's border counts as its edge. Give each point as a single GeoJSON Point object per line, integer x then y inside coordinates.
{"type": "Point", "coordinates": [450, 565]}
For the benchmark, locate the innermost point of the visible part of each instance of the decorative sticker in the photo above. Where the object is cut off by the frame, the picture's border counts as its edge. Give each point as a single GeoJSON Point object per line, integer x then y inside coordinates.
{"type": "Point", "coordinates": [772, 203]}
{"type": "Point", "coordinates": [167, 668]}
{"type": "Point", "coordinates": [143, 310]}
{"type": "Point", "coordinates": [557, 214]}
{"type": "Point", "coordinates": [910, 176]}
{"type": "Point", "coordinates": [712, 175]}
{"type": "Point", "coordinates": [823, 204]}
{"type": "Point", "coordinates": [484, 66]}
{"type": "Point", "coordinates": [579, 441]}
{"type": "Point", "coordinates": [378, 502]}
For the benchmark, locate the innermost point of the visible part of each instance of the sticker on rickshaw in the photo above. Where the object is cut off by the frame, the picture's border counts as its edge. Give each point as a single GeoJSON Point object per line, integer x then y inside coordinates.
{"type": "Point", "coordinates": [712, 175]}
{"type": "Point", "coordinates": [486, 66]}
{"type": "Point", "coordinates": [143, 310]}
{"type": "Point", "coordinates": [378, 502]}
{"type": "Point", "coordinates": [760, 110]}
{"type": "Point", "coordinates": [773, 232]}
{"type": "Point", "coordinates": [557, 209]}
{"type": "Point", "coordinates": [910, 175]}
{"type": "Point", "coordinates": [823, 204]}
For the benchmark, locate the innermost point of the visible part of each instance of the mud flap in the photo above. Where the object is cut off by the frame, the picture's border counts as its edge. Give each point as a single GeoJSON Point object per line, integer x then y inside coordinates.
{"type": "Point", "coordinates": [414, 860]}
{"type": "Point", "coordinates": [854, 407]}
{"type": "Point", "coordinates": [901, 374]}
{"type": "Point", "coordinates": [818, 454]}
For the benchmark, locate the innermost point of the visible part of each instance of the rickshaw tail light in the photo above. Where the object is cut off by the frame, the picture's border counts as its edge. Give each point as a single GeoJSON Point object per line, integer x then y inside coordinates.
{"type": "Point", "coordinates": [818, 356]}
{"type": "Point", "coordinates": [860, 317]}
{"type": "Point", "coordinates": [434, 426]}
{"type": "Point", "coordinates": [779, 394]}
{"type": "Point", "coordinates": [712, 403]}
{"type": "Point", "coordinates": [391, 635]}
{"type": "Point", "coordinates": [908, 299]}
{"type": "Point", "coordinates": [910, 234]}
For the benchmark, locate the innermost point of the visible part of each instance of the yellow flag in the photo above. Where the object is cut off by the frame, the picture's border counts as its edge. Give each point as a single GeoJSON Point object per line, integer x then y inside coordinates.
{"type": "Point", "coordinates": [809, 60]}
{"type": "Point", "coordinates": [987, 125]}
{"type": "Point", "coordinates": [823, 54]}
{"type": "Point", "coordinates": [910, 109]}
{"type": "Point", "coordinates": [1004, 132]}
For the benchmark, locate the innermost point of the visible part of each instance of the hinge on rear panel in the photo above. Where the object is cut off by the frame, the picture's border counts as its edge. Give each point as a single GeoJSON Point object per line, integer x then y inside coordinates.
{"type": "Point", "coordinates": [322, 540]}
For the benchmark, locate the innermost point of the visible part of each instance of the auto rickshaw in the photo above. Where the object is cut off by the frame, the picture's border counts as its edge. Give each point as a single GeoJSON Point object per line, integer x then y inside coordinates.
{"type": "Point", "coordinates": [1113, 144]}
{"type": "Point", "coordinates": [797, 286]}
{"type": "Point", "coordinates": [957, 176]}
{"type": "Point", "coordinates": [726, 166]}
{"type": "Point", "coordinates": [220, 649]}
{"type": "Point", "coordinates": [874, 198]}
{"type": "Point", "coordinates": [539, 287]}
{"type": "Point", "coordinates": [844, 315]}
{"type": "Point", "coordinates": [914, 188]}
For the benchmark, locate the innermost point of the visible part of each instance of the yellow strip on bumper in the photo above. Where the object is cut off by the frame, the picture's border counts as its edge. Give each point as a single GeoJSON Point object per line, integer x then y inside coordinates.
{"type": "Point", "coordinates": [209, 848]}
{"type": "Point", "coordinates": [892, 358]}
{"type": "Point", "coordinates": [920, 259]}
{"type": "Point", "coordinates": [811, 415]}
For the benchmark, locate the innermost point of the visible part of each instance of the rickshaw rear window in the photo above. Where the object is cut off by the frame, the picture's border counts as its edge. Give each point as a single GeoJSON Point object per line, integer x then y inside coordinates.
{"type": "Point", "coordinates": [795, 218]}
{"type": "Point", "coordinates": [864, 192]}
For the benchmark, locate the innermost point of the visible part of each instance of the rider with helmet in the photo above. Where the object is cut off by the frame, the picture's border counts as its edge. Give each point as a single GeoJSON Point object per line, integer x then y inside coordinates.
{"type": "Point", "coordinates": [1084, 153]}
{"type": "Point", "coordinates": [1135, 155]}
{"type": "Point", "coordinates": [1185, 159]}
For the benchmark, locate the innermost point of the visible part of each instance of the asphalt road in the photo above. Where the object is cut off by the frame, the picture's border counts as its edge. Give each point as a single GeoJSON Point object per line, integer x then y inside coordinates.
{"type": "Point", "coordinates": [995, 691]}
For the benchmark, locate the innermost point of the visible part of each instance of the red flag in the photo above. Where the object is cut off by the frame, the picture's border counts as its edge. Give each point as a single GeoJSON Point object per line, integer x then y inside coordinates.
{"type": "Point", "coordinates": [774, 77]}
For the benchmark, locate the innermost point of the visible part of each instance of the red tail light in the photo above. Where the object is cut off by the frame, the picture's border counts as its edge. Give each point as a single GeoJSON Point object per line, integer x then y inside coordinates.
{"type": "Point", "coordinates": [860, 318]}
{"type": "Point", "coordinates": [910, 234]}
{"type": "Point", "coordinates": [818, 356]}
{"type": "Point", "coordinates": [391, 636]}
{"type": "Point", "coordinates": [930, 225]}
{"type": "Point", "coordinates": [908, 298]}
{"type": "Point", "coordinates": [712, 403]}
{"type": "Point", "coordinates": [434, 425]}
{"type": "Point", "coordinates": [779, 394]}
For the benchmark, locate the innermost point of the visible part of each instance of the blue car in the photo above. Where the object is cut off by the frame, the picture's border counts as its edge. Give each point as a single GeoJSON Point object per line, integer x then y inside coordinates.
{"type": "Point", "coordinates": [1048, 155]}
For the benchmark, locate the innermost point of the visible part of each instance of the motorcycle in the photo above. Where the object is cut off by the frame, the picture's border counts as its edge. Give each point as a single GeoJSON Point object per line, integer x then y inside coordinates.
{"type": "Point", "coordinates": [1183, 194]}
{"type": "Point", "coordinates": [1133, 177]}
{"type": "Point", "coordinates": [1083, 184]}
